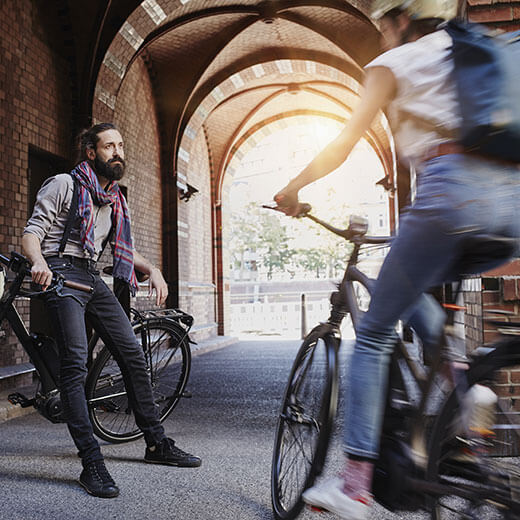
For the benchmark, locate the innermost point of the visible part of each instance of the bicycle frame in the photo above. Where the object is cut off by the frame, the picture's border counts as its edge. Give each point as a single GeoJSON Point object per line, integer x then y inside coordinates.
{"type": "Point", "coordinates": [8, 311]}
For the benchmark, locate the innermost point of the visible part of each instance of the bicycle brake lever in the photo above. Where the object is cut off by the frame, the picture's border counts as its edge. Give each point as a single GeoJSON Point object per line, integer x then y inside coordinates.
{"type": "Point", "coordinates": [303, 209]}
{"type": "Point", "coordinates": [58, 289]}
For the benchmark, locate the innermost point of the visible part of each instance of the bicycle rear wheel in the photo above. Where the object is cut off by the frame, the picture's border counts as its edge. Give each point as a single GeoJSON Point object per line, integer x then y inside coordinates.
{"type": "Point", "coordinates": [168, 359]}
{"type": "Point", "coordinates": [479, 475]}
{"type": "Point", "coordinates": [304, 422]}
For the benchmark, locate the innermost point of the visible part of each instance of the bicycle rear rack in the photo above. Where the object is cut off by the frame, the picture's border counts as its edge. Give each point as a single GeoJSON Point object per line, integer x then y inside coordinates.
{"type": "Point", "coordinates": [174, 314]}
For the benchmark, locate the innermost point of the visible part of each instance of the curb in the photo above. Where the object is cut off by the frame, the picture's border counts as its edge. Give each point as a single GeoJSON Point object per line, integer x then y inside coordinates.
{"type": "Point", "coordinates": [208, 345]}
{"type": "Point", "coordinates": [10, 411]}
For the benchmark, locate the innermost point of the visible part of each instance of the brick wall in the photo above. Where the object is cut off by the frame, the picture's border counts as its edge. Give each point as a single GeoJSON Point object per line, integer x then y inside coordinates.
{"type": "Point", "coordinates": [503, 14]}
{"type": "Point", "coordinates": [135, 115]}
{"type": "Point", "coordinates": [196, 287]}
{"type": "Point", "coordinates": [497, 290]}
{"type": "Point", "coordinates": [35, 110]}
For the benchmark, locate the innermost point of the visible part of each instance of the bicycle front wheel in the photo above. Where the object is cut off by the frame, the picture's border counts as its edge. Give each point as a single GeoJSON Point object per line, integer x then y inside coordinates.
{"type": "Point", "coordinates": [304, 423]}
{"type": "Point", "coordinates": [474, 456]}
{"type": "Point", "coordinates": [168, 359]}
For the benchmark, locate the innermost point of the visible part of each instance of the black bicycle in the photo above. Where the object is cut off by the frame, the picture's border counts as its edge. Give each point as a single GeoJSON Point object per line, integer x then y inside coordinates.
{"type": "Point", "coordinates": [434, 462]}
{"type": "Point", "coordinates": [163, 335]}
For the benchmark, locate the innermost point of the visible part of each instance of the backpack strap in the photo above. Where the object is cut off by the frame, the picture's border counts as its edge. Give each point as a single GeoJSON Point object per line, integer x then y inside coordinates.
{"type": "Point", "coordinates": [70, 218]}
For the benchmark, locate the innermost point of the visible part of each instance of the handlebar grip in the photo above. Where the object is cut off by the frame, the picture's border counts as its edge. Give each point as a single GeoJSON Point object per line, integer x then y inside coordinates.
{"type": "Point", "coordinates": [78, 286]}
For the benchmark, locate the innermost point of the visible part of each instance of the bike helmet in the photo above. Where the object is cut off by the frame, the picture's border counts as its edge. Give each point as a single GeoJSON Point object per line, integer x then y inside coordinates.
{"type": "Point", "coordinates": [417, 9]}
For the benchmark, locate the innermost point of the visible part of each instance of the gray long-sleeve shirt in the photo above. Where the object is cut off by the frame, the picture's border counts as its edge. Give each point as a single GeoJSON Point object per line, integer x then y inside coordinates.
{"type": "Point", "coordinates": [50, 215]}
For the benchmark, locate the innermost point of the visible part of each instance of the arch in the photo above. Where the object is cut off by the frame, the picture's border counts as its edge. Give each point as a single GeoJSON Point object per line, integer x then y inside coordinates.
{"type": "Point", "coordinates": [213, 102]}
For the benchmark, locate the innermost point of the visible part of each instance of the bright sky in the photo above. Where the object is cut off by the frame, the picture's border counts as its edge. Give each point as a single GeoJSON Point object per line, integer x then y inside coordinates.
{"type": "Point", "coordinates": [281, 155]}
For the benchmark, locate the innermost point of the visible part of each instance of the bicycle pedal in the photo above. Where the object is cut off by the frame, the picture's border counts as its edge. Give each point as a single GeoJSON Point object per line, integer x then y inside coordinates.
{"type": "Point", "coordinates": [187, 394]}
{"type": "Point", "coordinates": [18, 398]}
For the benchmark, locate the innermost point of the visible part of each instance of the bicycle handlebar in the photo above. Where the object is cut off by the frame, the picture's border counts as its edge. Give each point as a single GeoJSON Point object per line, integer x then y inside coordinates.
{"type": "Point", "coordinates": [357, 228]}
{"type": "Point", "coordinates": [18, 264]}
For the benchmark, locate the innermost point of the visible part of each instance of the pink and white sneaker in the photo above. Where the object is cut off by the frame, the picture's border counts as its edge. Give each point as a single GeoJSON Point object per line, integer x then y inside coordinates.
{"type": "Point", "coordinates": [329, 496]}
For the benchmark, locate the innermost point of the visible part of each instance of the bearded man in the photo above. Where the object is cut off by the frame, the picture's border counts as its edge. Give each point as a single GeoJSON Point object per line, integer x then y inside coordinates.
{"type": "Point", "coordinates": [70, 242]}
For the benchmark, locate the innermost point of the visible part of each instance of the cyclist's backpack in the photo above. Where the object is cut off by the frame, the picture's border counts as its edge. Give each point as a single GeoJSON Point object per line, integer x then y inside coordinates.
{"type": "Point", "coordinates": [487, 77]}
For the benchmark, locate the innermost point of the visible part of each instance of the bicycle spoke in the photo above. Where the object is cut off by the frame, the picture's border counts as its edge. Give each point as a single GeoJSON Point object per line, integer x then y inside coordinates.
{"type": "Point", "coordinates": [302, 464]}
{"type": "Point", "coordinates": [298, 442]}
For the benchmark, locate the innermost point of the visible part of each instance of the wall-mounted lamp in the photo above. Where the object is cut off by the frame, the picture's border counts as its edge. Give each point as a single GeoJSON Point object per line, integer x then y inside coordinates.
{"type": "Point", "coordinates": [185, 193]}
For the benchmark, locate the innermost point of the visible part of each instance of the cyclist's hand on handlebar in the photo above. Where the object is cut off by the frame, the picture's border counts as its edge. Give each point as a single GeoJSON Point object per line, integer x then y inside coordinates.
{"type": "Point", "coordinates": [287, 202]}
{"type": "Point", "coordinates": [41, 274]}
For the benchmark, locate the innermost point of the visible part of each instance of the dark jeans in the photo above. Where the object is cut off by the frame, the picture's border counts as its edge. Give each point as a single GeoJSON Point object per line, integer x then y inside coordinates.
{"type": "Point", "coordinates": [106, 315]}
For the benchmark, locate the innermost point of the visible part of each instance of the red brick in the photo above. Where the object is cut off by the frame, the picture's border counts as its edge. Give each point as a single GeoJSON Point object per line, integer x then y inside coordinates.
{"type": "Point", "coordinates": [510, 289]}
{"type": "Point", "coordinates": [503, 377]}
{"type": "Point", "coordinates": [491, 336]}
{"type": "Point", "coordinates": [493, 14]}
{"type": "Point", "coordinates": [490, 297]}
{"type": "Point", "coordinates": [507, 390]}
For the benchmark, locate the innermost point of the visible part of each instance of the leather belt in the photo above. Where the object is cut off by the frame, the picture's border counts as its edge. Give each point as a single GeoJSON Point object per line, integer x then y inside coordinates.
{"type": "Point", "coordinates": [447, 148]}
{"type": "Point", "coordinates": [82, 263]}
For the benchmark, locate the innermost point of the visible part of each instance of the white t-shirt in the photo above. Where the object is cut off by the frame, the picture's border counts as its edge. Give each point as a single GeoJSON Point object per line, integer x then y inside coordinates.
{"type": "Point", "coordinates": [425, 89]}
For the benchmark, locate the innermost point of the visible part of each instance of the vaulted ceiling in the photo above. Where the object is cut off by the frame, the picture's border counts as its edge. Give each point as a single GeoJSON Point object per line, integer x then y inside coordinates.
{"type": "Point", "coordinates": [225, 66]}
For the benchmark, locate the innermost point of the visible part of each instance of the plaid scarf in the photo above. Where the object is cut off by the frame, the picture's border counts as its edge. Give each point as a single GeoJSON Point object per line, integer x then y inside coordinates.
{"type": "Point", "coordinates": [91, 193]}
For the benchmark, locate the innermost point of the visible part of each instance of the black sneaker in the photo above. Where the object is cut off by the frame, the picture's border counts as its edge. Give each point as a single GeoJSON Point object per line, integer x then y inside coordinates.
{"type": "Point", "coordinates": [167, 453]}
{"type": "Point", "coordinates": [96, 479]}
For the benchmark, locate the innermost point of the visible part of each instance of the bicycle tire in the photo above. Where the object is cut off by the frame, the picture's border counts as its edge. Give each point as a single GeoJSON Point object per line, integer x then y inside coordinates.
{"type": "Point", "coordinates": [491, 479]}
{"type": "Point", "coordinates": [304, 423]}
{"type": "Point", "coordinates": [169, 367]}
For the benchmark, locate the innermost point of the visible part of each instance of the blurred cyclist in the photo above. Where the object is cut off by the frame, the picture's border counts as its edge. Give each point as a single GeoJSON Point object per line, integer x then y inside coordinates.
{"type": "Point", "coordinates": [459, 196]}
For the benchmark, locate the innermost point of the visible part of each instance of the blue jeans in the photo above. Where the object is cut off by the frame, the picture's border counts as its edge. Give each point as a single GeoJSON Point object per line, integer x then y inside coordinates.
{"type": "Point", "coordinates": [457, 196]}
{"type": "Point", "coordinates": [109, 319]}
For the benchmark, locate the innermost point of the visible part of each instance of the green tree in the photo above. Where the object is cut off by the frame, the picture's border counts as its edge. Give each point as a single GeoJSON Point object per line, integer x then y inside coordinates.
{"type": "Point", "coordinates": [243, 237]}
{"type": "Point", "coordinates": [271, 236]}
{"type": "Point", "coordinates": [256, 230]}
{"type": "Point", "coordinates": [273, 243]}
{"type": "Point", "coordinates": [312, 259]}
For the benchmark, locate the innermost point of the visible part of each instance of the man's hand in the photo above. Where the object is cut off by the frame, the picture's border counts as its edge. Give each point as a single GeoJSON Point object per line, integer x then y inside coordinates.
{"type": "Point", "coordinates": [156, 280]}
{"type": "Point", "coordinates": [41, 274]}
{"type": "Point", "coordinates": [287, 201]}
{"type": "Point", "coordinates": [158, 283]}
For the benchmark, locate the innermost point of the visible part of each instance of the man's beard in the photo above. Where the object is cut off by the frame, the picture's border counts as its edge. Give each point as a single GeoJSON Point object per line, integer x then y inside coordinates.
{"type": "Point", "coordinates": [113, 169]}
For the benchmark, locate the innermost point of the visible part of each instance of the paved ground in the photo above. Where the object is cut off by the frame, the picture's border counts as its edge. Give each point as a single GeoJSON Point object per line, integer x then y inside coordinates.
{"type": "Point", "coordinates": [229, 422]}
